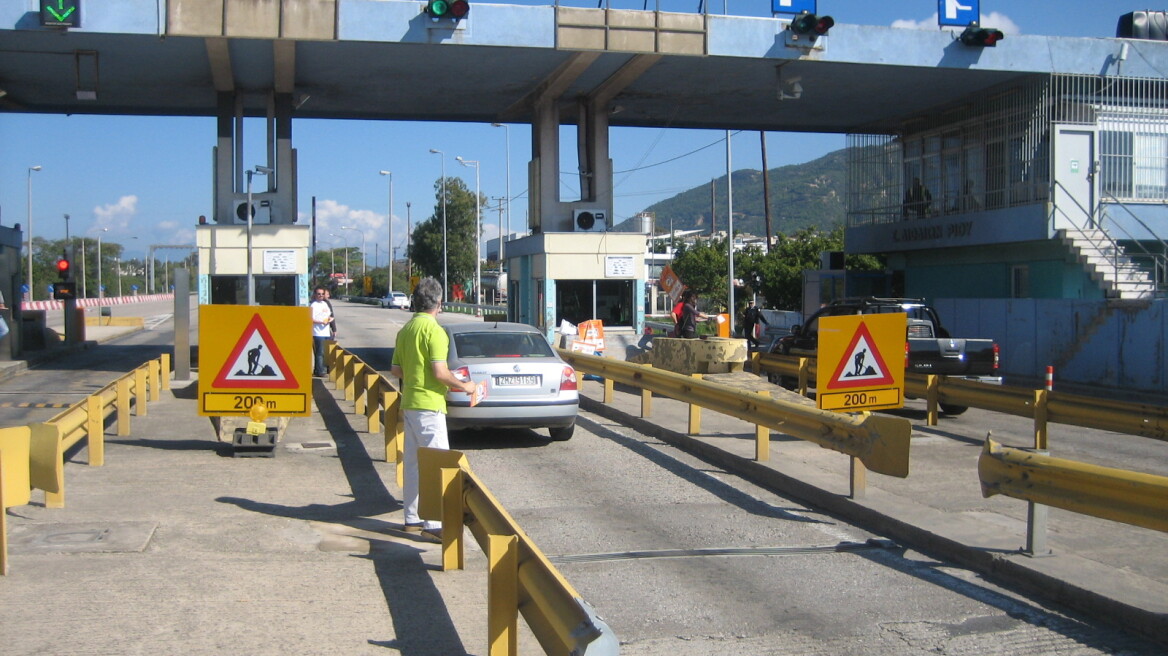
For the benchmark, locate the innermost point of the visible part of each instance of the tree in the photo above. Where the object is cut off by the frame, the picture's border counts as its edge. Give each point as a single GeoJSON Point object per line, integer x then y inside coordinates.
{"type": "Point", "coordinates": [778, 275]}
{"type": "Point", "coordinates": [702, 267]}
{"type": "Point", "coordinates": [426, 250]}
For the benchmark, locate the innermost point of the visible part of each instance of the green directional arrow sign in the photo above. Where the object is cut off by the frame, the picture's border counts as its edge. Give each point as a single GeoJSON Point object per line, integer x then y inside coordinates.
{"type": "Point", "coordinates": [61, 13]}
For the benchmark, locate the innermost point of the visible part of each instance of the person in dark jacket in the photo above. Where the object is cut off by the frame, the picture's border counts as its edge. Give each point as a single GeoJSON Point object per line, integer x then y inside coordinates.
{"type": "Point", "coordinates": [750, 319]}
{"type": "Point", "coordinates": [688, 326]}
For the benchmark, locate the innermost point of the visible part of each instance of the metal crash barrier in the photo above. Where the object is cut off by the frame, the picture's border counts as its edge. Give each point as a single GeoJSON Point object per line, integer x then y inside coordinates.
{"type": "Point", "coordinates": [1043, 406]}
{"type": "Point", "coordinates": [880, 442]}
{"type": "Point", "coordinates": [1122, 496]}
{"type": "Point", "coordinates": [520, 579]}
{"type": "Point", "coordinates": [33, 456]}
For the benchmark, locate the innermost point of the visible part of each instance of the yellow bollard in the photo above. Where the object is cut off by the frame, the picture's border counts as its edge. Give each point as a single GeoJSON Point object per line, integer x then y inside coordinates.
{"type": "Point", "coordinates": [164, 367]}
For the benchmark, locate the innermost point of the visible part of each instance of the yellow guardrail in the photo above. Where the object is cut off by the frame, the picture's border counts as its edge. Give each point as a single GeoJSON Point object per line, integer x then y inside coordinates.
{"type": "Point", "coordinates": [880, 442]}
{"type": "Point", "coordinates": [1122, 496]}
{"type": "Point", "coordinates": [33, 456]}
{"type": "Point", "coordinates": [373, 396]}
{"type": "Point", "coordinates": [520, 579]}
{"type": "Point", "coordinates": [1043, 406]}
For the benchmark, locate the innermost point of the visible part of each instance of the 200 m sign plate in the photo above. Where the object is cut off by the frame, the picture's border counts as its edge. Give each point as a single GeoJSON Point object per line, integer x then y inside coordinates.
{"type": "Point", "coordinates": [227, 403]}
{"type": "Point", "coordinates": [861, 400]}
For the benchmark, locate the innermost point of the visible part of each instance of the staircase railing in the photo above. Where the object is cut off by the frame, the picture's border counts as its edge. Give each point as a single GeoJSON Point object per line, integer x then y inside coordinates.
{"type": "Point", "coordinates": [1159, 260]}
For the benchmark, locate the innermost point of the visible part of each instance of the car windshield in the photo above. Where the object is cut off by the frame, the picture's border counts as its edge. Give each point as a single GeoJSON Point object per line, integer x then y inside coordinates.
{"type": "Point", "coordinates": [501, 345]}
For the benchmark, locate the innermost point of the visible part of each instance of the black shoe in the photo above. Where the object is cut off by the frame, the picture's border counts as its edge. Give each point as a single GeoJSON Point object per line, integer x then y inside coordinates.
{"type": "Point", "coordinates": [433, 534]}
{"type": "Point", "coordinates": [413, 528]}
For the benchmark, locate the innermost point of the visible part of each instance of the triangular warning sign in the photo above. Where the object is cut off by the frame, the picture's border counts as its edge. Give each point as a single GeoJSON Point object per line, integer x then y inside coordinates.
{"type": "Point", "coordinates": [862, 365]}
{"type": "Point", "coordinates": [255, 362]}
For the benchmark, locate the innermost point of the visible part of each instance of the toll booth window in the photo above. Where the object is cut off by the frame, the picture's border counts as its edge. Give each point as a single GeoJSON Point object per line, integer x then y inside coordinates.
{"type": "Point", "coordinates": [269, 290]}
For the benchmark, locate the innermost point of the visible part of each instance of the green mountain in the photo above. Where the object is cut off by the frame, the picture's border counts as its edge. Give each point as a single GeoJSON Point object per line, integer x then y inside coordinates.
{"type": "Point", "coordinates": [802, 195]}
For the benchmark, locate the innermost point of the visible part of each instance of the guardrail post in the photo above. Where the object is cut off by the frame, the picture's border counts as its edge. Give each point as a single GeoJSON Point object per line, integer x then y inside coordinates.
{"type": "Point", "coordinates": [123, 403]}
{"type": "Point", "coordinates": [360, 391]}
{"type": "Point", "coordinates": [804, 375]}
{"type": "Point", "coordinates": [140, 392]}
{"type": "Point", "coordinates": [755, 363]}
{"type": "Point", "coordinates": [762, 435]}
{"type": "Point", "coordinates": [95, 430]}
{"type": "Point", "coordinates": [1036, 519]}
{"type": "Point", "coordinates": [349, 376]}
{"type": "Point", "coordinates": [452, 511]}
{"type": "Point", "coordinates": [502, 595]}
{"type": "Point", "coordinates": [695, 415]}
{"type": "Point", "coordinates": [609, 387]}
{"type": "Point", "coordinates": [646, 400]}
{"type": "Point", "coordinates": [932, 398]}
{"type": "Point", "coordinates": [1041, 398]}
{"type": "Point", "coordinates": [152, 374]}
{"type": "Point", "coordinates": [372, 405]}
{"type": "Point", "coordinates": [858, 479]}
{"type": "Point", "coordinates": [164, 370]}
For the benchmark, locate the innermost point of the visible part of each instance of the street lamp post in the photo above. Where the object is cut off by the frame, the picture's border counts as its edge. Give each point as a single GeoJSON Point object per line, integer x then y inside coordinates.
{"type": "Point", "coordinates": [409, 252]}
{"type": "Point", "coordinates": [362, 233]}
{"type": "Point", "coordinates": [118, 265]}
{"type": "Point", "coordinates": [100, 292]}
{"type": "Point", "coordinates": [502, 238]}
{"type": "Point", "coordinates": [346, 240]}
{"type": "Point", "coordinates": [478, 234]}
{"type": "Point", "coordinates": [262, 170]}
{"type": "Point", "coordinates": [30, 285]}
{"type": "Point", "coordinates": [389, 220]}
{"type": "Point", "coordinates": [445, 259]}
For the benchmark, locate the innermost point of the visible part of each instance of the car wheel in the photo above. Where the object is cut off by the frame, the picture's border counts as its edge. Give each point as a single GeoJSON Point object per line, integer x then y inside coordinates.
{"type": "Point", "coordinates": [951, 409]}
{"type": "Point", "coordinates": [562, 433]}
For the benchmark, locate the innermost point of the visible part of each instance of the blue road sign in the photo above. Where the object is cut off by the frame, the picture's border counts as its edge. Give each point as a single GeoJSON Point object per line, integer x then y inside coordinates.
{"type": "Point", "coordinates": [958, 12]}
{"type": "Point", "coordinates": [793, 6]}
{"type": "Point", "coordinates": [134, 288]}
{"type": "Point", "coordinates": [24, 288]}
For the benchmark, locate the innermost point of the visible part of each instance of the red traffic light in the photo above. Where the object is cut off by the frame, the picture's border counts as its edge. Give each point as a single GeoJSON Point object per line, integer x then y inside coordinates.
{"type": "Point", "coordinates": [63, 268]}
{"type": "Point", "coordinates": [981, 37]}
{"type": "Point", "coordinates": [811, 25]}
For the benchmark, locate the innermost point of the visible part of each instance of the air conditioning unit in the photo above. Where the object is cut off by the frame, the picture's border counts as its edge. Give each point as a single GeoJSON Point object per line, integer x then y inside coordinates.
{"type": "Point", "coordinates": [589, 220]}
{"type": "Point", "coordinates": [261, 211]}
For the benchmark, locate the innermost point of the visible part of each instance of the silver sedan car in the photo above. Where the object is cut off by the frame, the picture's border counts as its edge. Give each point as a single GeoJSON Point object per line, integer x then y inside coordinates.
{"type": "Point", "coordinates": [527, 384]}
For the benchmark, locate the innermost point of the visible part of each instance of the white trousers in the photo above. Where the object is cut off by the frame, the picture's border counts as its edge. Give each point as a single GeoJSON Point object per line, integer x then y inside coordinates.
{"type": "Point", "coordinates": [423, 428]}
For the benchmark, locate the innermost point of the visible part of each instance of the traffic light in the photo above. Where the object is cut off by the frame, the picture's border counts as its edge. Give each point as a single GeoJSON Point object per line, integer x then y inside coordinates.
{"type": "Point", "coordinates": [812, 26]}
{"type": "Point", "coordinates": [64, 291]}
{"type": "Point", "coordinates": [981, 37]}
{"type": "Point", "coordinates": [63, 268]}
{"type": "Point", "coordinates": [452, 9]}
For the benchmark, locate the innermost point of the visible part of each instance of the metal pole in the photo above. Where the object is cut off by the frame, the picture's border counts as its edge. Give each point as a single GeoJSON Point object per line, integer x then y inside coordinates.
{"type": "Point", "coordinates": [445, 257]}
{"type": "Point", "coordinates": [502, 238]}
{"type": "Point", "coordinates": [409, 252]}
{"type": "Point", "coordinates": [389, 220]}
{"type": "Point", "coordinates": [730, 232]}
{"type": "Point", "coordinates": [478, 235]}
{"type": "Point", "coordinates": [250, 279]}
{"type": "Point", "coordinates": [30, 285]}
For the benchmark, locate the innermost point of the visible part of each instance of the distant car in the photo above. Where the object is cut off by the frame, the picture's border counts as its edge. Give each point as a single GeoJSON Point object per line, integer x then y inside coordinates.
{"type": "Point", "coordinates": [527, 384]}
{"type": "Point", "coordinates": [396, 300]}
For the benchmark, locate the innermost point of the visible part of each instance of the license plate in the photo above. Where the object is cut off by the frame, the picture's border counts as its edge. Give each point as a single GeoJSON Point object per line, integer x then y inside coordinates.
{"type": "Point", "coordinates": [518, 381]}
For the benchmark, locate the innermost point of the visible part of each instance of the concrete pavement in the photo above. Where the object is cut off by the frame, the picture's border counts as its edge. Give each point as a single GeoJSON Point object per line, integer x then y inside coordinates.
{"type": "Point", "coordinates": [174, 544]}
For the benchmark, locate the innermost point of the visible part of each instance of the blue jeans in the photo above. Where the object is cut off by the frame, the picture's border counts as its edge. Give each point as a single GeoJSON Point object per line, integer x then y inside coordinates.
{"type": "Point", "coordinates": [318, 368]}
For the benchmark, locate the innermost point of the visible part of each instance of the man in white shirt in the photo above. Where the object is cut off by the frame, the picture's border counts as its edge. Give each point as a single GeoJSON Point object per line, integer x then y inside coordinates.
{"type": "Point", "coordinates": [322, 319]}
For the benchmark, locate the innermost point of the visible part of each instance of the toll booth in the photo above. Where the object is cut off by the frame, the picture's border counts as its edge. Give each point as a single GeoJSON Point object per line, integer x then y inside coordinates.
{"type": "Point", "coordinates": [279, 263]}
{"type": "Point", "coordinates": [11, 278]}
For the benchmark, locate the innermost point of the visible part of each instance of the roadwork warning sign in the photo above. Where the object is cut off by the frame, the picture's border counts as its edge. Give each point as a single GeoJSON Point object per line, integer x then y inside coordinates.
{"type": "Point", "coordinates": [255, 356]}
{"type": "Point", "coordinates": [861, 362]}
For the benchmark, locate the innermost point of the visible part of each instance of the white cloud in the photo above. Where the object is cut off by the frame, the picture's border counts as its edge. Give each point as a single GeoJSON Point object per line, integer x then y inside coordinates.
{"type": "Point", "coordinates": [994, 19]}
{"type": "Point", "coordinates": [117, 216]}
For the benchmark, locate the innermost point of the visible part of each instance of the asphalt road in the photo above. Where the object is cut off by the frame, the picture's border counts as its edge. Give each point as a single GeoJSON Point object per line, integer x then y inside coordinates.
{"type": "Point", "coordinates": [683, 558]}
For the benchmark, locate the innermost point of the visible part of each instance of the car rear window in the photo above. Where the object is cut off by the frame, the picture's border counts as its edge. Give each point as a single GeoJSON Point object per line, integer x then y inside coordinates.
{"type": "Point", "coordinates": [501, 345]}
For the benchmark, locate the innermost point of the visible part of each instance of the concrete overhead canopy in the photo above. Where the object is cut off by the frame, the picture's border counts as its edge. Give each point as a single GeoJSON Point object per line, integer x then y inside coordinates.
{"type": "Point", "coordinates": [386, 59]}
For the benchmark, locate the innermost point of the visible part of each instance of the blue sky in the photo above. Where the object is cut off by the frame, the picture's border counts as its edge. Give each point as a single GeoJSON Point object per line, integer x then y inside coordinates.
{"type": "Point", "coordinates": [142, 181]}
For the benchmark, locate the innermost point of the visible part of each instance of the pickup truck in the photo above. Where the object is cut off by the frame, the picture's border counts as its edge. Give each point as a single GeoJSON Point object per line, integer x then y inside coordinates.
{"type": "Point", "coordinates": [930, 348]}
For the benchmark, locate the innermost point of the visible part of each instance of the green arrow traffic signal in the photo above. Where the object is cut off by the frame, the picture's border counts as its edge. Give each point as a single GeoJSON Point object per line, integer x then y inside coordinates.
{"type": "Point", "coordinates": [61, 13]}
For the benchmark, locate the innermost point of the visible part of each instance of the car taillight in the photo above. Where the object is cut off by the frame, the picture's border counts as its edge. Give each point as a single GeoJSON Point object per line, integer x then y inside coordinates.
{"type": "Point", "coordinates": [906, 355]}
{"type": "Point", "coordinates": [462, 373]}
{"type": "Point", "coordinates": [995, 357]}
{"type": "Point", "coordinates": [568, 379]}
